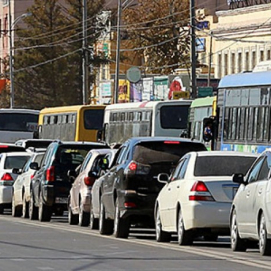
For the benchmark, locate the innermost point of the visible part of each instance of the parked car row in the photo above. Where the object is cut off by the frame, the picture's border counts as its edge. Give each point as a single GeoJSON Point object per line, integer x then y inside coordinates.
{"type": "Point", "coordinates": [173, 185]}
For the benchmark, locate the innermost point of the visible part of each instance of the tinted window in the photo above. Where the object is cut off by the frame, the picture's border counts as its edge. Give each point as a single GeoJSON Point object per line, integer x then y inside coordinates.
{"type": "Point", "coordinates": [7, 148]}
{"type": "Point", "coordinates": [167, 151]}
{"type": "Point", "coordinates": [15, 161]}
{"type": "Point", "coordinates": [37, 144]}
{"type": "Point", "coordinates": [222, 165]}
{"type": "Point", "coordinates": [174, 117]}
{"type": "Point", "coordinates": [93, 119]}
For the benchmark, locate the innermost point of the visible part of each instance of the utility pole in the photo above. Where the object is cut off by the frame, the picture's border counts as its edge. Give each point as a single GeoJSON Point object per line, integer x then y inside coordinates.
{"type": "Point", "coordinates": [84, 54]}
{"type": "Point", "coordinates": [210, 58]}
{"type": "Point", "coordinates": [116, 85]}
{"type": "Point", "coordinates": [193, 50]}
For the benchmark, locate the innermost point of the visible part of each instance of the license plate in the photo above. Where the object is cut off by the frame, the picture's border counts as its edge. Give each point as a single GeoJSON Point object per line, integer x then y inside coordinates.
{"type": "Point", "coordinates": [61, 200]}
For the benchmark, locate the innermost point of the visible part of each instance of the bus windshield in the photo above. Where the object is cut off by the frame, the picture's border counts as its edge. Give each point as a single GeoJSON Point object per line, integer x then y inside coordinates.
{"type": "Point", "coordinates": [174, 117]}
{"type": "Point", "coordinates": [93, 119]}
{"type": "Point", "coordinates": [18, 122]}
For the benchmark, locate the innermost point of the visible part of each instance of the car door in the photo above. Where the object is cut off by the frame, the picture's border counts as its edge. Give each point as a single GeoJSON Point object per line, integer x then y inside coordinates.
{"type": "Point", "coordinates": [246, 197]}
{"type": "Point", "coordinates": [168, 197]}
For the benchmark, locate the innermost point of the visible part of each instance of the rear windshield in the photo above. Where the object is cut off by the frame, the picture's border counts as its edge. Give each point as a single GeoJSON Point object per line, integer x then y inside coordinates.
{"type": "Point", "coordinates": [15, 161]}
{"type": "Point", "coordinates": [222, 165]}
{"type": "Point", "coordinates": [166, 151]}
{"type": "Point", "coordinates": [6, 148]}
{"type": "Point", "coordinates": [37, 144]}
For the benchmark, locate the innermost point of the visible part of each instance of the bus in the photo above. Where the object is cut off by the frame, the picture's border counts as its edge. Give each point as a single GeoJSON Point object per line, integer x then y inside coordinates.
{"type": "Point", "coordinates": [200, 109]}
{"type": "Point", "coordinates": [18, 124]}
{"type": "Point", "coordinates": [72, 123]}
{"type": "Point", "coordinates": [150, 118]}
{"type": "Point", "coordinates": [244, 112]}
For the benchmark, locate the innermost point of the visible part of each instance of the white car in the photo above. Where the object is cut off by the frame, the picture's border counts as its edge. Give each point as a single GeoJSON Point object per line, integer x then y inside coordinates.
{"type": "Point", "coordinates": [8, 162]}
{"type": "Point", "coordinates": [250, 217]}
{"type": "Point", "coordinates": [196, 199]}
{"type": "Point", "coordinates": [21, 186]}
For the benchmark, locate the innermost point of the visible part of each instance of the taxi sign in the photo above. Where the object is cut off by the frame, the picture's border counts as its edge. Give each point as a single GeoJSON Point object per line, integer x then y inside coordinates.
{"type": "Point", "coordinates": [180, 94]}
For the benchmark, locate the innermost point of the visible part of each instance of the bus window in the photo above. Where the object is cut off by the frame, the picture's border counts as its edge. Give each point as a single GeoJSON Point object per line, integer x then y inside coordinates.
{"type": "Point", "coordinates": [131, 116]}
{"type": "Point", "coordinates": [59, 119]}
{"type": "Point", "coordinates": [122, 117]}
{"type": "Point", "coordinates": [93, 119]}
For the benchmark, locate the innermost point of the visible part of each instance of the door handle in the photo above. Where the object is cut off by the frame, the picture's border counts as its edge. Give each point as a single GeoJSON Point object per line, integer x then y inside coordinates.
{"type": "Point", "coordinates": [169, 189]}
{"type": "Point", "coordinates": [248, 193]}
{"type": "Point", "coordinates": [178, 186]}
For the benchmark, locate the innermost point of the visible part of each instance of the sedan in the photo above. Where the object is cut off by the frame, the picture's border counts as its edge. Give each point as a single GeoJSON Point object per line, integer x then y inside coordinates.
{"type": "Point", "coordinates": [80, 193]}
{"type": "Point", "coordinates": [250, 217]}
{"type": "Point", "coordinates": [196, 199]}
{"type": "Point", "coordinates": [8, 162]}
{"type": "Point", "coordinates": [21, 187]}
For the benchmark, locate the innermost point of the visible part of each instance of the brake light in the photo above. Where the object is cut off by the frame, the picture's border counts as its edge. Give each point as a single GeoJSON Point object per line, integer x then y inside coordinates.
{"type": "Point", "coordinates": [89, 181]}
{"type": "Point", "coordinates": [171, 142]}
{"type": "Point", "coordinates": [129, 205]}
{"type": "Point", "coordinates": [3, 146]}
{"type": "Point", "coordinates": [32, 176]}
{"type": "Point", "coordinates": [50, 174]}
{"type": "Point", "coordinates": [200, 192]}
{"type": "Point", "coordinates": [6, 177]}
{"type": "Point", "coordinates": [132, 166]}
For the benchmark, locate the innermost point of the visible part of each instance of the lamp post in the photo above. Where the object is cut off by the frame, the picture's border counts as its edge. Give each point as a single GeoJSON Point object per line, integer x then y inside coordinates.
{"type": "Point", "coordinates": [11, 28]}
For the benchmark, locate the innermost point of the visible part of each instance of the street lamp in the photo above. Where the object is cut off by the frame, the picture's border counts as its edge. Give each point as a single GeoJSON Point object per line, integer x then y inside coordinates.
{"type": "Point", "coordinates": [11, 27]}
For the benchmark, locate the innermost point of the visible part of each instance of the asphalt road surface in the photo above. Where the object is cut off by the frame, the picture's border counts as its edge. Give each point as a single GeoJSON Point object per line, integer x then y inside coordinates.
{"type": "Point", "coordinates": [27, 245]}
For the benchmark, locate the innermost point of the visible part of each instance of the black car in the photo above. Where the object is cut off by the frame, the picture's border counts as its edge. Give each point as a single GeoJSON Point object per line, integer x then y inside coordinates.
{"type": "Point", "coordinates": [50, 187]}
{"type": "Point", "coordinates": [130, 187]}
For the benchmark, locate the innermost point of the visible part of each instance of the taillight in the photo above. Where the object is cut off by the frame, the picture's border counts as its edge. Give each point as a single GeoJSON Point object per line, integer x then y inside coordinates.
{"type": "Point", "coordinates": [6, 177]}
{"type": "Point", "coordinates": [200, 192]}
{"type": "Point", "coordinates": [32, 176]}
{"type": "Point", "coordinates": [89, 181]}
{"type": "Point", "coordinates": [129, 205]}
{"type": "Point", "coordinates": [50, 174]}
{"type": "Point", "coordinates": [137, 168]}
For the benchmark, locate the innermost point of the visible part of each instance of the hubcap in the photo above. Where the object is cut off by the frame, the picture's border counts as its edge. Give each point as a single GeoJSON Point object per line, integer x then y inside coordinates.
{"type": "Point", "coordinates": [116, 220]}
{"type": "Point", "coordinates": [158, 226]}
{"type": "Point", "coordinates": [262, 236]}
{"type": "Point", "coordinates": [233, 231]}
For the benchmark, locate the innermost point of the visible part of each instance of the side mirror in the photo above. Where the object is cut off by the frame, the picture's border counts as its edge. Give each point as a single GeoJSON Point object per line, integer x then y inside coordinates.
{"type": "Point", "coordinates": [34, 165]}
{"type": "Point", "coordinates": [238, 178]}
{"type": "Point", "coordinates": [163, 178]}
{"type": "Point", "coordinates": [16, 171]}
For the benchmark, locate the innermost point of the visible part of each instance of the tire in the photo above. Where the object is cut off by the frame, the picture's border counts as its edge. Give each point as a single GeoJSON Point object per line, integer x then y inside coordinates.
{"type": "Point", "coordinates": [16, 211]}
{"type": "Point", "coordinates": [25, 209]}
{"type": "Point", "coordinates": [237, 244]}
{"type": "Point", "coordinates": [121, 225]}
{"type": "Point", "coordinates": [1, 209]}
{"type": "Point", "coordinates": [45, 212]}
{"type": "Point", "coordinates": [94, 222]}
{"type": "Point", "coordinates": [161, 236]}
{"type": "Point", "coordinates": [185, 237]}
{"type": "Point", "coordinates": [210, 237]}
{"type": "Point", "coordinates": [264, 242]}
{"type": "Point", "coordinates": [32, 210]}
{"type": "Point", "coordinates": [105, 225]}
{"type": "Point", "coordinates": [73, 219]}
{"type": "Point", "coordinates": [83, 216]}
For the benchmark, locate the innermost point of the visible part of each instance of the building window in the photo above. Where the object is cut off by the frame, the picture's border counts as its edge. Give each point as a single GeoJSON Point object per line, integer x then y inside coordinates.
{"type": "Point", "coordinates": [239, 62]}
{"type": "Point", "coordinates": [247, 61]}
{"type": "Point", "coordinates": [268, 54]}
{"type": "Point", "coordinates": [261, 55]}
{"type": "Point", "coordinates": [233, 63]}
{"type": "Point", "coordinates": [253, 59]}
{"type": "Point", "coordinates": [226, 64]}
{"type": "Point", "coordinates": [219, 66]}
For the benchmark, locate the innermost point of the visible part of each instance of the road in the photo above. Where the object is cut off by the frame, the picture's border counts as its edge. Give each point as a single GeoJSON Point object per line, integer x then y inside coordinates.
{"type": "Point", "coordinates": [58, 246]}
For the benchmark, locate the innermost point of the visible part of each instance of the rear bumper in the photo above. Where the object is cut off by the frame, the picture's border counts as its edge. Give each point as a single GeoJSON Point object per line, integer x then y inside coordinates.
{"type": "Point", "coordinates": [206, 215]}
{"type": "Point", "coordinates": [5, 194]}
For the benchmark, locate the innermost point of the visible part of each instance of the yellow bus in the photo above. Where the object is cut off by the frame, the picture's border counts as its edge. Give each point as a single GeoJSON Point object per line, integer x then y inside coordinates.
{"type": "Point", "coordinates": [72, 123]}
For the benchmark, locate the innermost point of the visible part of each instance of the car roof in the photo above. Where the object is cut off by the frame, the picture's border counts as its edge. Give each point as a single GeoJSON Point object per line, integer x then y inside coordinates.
{"type": "Point", "coordinates": [17, 154]}
{"type": "Point", "coordinates": [161, 138]}
{"type": "Point", "coordinates": [81, 143]}
{"type": "Point", "coordinates": [225, 153]}
{"type": "Point", "coordinates": [101, 151]}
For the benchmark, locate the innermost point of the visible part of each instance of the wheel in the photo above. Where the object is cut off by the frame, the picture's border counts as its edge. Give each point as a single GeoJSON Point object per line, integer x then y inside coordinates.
{"type": "Point", "coordinates": [105, 225]}
{"type": "Point", "coordinates": [94, 222]}
{"type": "Point", "coordinates": [33, 210]}
{"type": "Point", "coordinates": [83, 216]}
{"type": "Point", "coordinates": [25, 210]}
{"type": "Point", "coordinates": [185, 237]}
{"type": "Point", "coordinates": [73, 219]}
{"type": "Point", "coordinates": [264, 242]}
{"type": "Point", "coordinates": [45, 212]}
{"type": "Point", "coordinates": [121, 225]}
{"type": "Point", "coordinates": [1, 209]}
{"type": "Point", "coordinates": [237, 244]}
{"type": "Point", "coordinates": [210, 237]}
{"type": "Point", "coordinates": [16, 211]}
{"type": "Point", "coordinates": [161, 236]}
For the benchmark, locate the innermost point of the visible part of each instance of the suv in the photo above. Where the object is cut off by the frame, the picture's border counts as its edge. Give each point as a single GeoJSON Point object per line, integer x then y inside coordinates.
{"type": "Point", "coordinates": [130, 188]}
{"type": "Point", "coordinates": [50, 187]}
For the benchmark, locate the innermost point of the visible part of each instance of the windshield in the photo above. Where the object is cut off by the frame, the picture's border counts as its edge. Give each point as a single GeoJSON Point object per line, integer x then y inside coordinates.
{"type": "Point", "coordinates": [174, 117]}
{"type": "Point", "coordinates": [18, 122]}
{"type": "Point", "coordinates": [222, 165]}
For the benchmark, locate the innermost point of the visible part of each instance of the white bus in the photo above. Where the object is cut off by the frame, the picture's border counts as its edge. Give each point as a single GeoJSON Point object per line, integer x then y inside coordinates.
{"type": "Point", "coordinates": [17, 124]}
{"type": "Point", "coordinates": [155, 118]}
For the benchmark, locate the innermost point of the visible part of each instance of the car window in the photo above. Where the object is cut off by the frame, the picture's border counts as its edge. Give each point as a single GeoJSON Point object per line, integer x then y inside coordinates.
{"type": "Point", "coordinates": [253, 174]}
{"type": "Point", "coordinates": [38, 158]}
{"type": "Point", "coordinates": [26, 166]}
{"type": "Point", "coordinates": [222, 165]}
{"type": "Point", "coordinates": [176, 172]}
{"type": "Point", "coordinates": [86, 160]}
{"type": "Point", "coordinates": [15, 161]}
{"type": "Point", "coordinates": [264, 171]}
{"type": "Point", "coordinates": [121, 156]}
